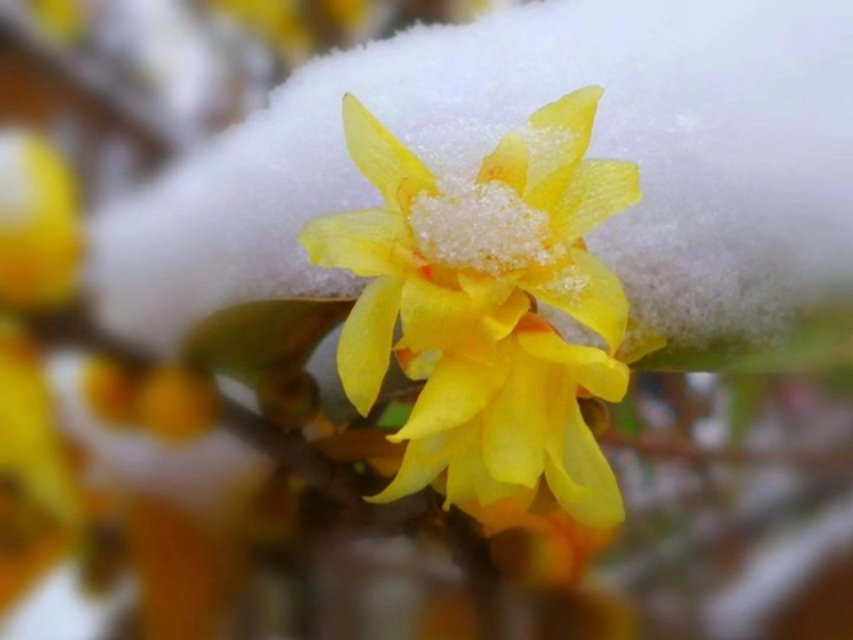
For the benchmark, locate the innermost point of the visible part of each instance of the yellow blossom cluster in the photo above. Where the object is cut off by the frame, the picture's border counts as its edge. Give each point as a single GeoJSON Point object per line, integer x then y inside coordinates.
{"type": "Point", "coordinates": [175, 404]}
{"type": "Point", "coordinates": [464, 267]}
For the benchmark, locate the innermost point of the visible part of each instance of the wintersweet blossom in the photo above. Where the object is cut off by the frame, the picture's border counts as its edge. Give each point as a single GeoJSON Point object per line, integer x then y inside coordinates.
{"type": "Point", "coordinates": [463, 266]}
{"type": "Point", "coordinates": [289, 27]}
{"type": "Point", "coordinates": [280, 23]}
{"type": "Point", "coordinates": [500, 426]}
{"type": "Point", "coordinates": [538, 546]}
{"type": "Point", "coordinates": [31, 454]}
{"type": "Point", "coordinates": [41, 237]}
{"type": "Point", "coordinates": [178, 405]}
{"type": "Point", "coordinates": [64, 20]}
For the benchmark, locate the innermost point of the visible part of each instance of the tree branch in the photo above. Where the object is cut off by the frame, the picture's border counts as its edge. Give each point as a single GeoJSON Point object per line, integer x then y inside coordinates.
{"type": "Point", "coordinates": [833, 463]}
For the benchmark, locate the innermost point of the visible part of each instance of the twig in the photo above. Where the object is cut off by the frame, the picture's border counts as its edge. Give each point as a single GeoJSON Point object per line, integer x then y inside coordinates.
{"type": "Point", "coordinates": [124, 624]}
{"type": "Point", "coordinates": [290, 450]}
{"type": "Point", "coordinates": [471, 551]}
{"type": "Point", "coordinates": [700, 537]}
{"type": "Point", "coordinates": [834, 463]}
{"type": "Point", "coordinates": [136, 110]}
{"type": "Point", "coordinates": [334, 481]}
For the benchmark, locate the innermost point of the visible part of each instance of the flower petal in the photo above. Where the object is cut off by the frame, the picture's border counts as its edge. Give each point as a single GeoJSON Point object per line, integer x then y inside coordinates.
{"type": "Point", "coordinates": [487, 490]}
{"type": "Point", "coordinates": [422, 463]}
{"type": "Point", "coordinates": [435, 317]}
{"type": "Point", "coordinates": [577, 462]}
{"type": "Point", "coordinates": [588, 291]}
{"type": "Point", "coordinates": [461, 479]}
{"type": "Point", "coordinates": [517, 421]}
{"type": "Point", "coordinates": [639, 342]}
{"type": "Point", "coordinates": [364, 351]}
{"type": "Point", "coordinates": [592, 368]}
{"type": "Point", "coordinates": [483, 288]}
{"type": "Point", "coordinates": [368, 243]}
{"type": "Point", "coordinates": [416, 365]}
{"type": "Point", "coordinates": [508, 164]}
{"type": "Point", "coordinates": [381, 157]}
{"type": "Point", "coordinates": [468, 480]}
{"type": "Point", "coordinates": [456, 391]}
{"type": "Point", "coordinates": [568, 492]}
{"type": "Point", "coordinates": [557, 137]}
{"type": "Point", "coordinates": [501, 322]}
{"type": "Point", "coordinates": [598, 190]}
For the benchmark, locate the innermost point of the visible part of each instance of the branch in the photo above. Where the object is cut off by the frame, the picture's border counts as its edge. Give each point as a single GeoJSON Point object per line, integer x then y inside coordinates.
{"type": "Point", "coordinates": [93, 79]}
{"type": "Point", "coordinates": [334, 481]}
{"type": "Point", "coordinates": [834, 462]}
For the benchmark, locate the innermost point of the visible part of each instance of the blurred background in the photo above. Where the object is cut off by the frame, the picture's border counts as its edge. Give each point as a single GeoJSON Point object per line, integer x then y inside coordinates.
{"type": "Point", "coordinates": [139, 503]}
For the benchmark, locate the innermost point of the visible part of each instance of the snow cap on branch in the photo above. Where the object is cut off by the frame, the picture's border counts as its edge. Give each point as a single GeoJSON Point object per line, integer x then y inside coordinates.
{"type": "Point", "coordinates": [737, 112]}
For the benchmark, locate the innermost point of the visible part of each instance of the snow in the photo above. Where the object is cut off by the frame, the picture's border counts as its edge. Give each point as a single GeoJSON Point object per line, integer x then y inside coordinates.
{"type": "Point", "coordinates": [737, 112]}
{"type": "Point", "coordinates": [59, 610]}
{"type": "Point", "coordinates": [484, 227]}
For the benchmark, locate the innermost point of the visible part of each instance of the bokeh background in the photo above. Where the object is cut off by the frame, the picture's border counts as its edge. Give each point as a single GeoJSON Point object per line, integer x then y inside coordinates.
{"type": "Point", "coordinates": [739, 486]}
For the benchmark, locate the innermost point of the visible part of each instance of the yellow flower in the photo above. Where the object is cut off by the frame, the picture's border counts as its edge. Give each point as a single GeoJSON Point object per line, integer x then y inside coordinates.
{"type": "Point", "coordinates": [40, 229]}
{"type": "Point", "coordinates": [279, 22]}
{"type": "Point", "coordinates": [461, 262]}
{"type": "Point", "coordinates": [540, 549]}
{"type": "Point", "coordinates": [110, 391]}
{"type": "Point", "coordinates": [40, 512]}
{"type": "Point", "coordinates": [30, 449]}
{"type": "Point", "coordinates": [65, 20]}
{"type": "Point", "coordinates": [467, 10]}
{"type": "Point", "coordinates": [501, 426]}
{"type": "Point", "coordinates": [350, 14]}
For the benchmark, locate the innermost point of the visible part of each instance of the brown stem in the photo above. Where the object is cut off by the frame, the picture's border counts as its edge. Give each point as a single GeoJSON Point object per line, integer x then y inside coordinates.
{"type": "Point", "coordinates": [823, 462]}
{"type": "Point", "coordinates": [334, 481]}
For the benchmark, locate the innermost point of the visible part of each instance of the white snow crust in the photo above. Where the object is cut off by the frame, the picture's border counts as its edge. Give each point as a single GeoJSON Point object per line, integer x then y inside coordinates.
{"type": "Point", "coordinates": [737, 111]}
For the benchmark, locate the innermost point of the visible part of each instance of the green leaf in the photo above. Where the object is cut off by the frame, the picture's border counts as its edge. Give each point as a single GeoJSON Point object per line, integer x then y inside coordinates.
{"type": "Point", "coordinates": [748, 392]}
{"type": "Point", "coordinates": [266, 345]}
{"type": "Point", "coordinates": [251, 341]}
{"type": "Point", "coordinates": [395, 415]}
{"type": "Point", "coordinates": [821, 341]}
{"type": "Point", "coordinates": [625, 418]}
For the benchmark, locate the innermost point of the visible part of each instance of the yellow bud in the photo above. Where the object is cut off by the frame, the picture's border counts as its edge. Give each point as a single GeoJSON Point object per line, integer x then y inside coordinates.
{"type": "Point", "coordinates": [178, 405]}
{"type": "Point", "coordinates": [65, 20]}
{"type": "Point", "coordinates": [350, 14]}
{"type": "Point", "coordinates": [534, 559]}
{"type": "Point", "coordinates": [290, 400]}
{"type": "Point", "coordinates": [110, 391]}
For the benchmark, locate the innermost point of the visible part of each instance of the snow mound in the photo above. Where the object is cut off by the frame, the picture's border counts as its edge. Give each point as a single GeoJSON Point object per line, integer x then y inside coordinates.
{"type": "Point", "coordinates": [737, 112]}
